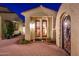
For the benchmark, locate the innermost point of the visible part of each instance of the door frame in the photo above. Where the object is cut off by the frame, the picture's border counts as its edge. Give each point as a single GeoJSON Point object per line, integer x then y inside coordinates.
{"type": "Point", "coordinates": [41, 28]}
{"type": "Point", "coordinates": [62, 19]}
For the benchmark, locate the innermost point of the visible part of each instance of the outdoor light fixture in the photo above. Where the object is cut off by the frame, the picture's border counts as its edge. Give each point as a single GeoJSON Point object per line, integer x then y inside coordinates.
{"type": "Point", "coordinates": [24, 30]}
{"type": "Point", "coordinates": [32, 25]}
{"type": "Point", "coordinates": [14, 21]}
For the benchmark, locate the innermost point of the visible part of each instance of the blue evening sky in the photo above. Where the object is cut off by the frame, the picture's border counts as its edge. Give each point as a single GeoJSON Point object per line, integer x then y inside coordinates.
{"type": "Point", "coordinates": [18, 8]}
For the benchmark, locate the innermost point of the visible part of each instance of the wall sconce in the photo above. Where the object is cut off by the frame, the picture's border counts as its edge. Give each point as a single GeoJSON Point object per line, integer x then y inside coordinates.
{"type": "Point", "coordinates": [32, 25]}
{"type": "Point", "coordinates": [23, 29]}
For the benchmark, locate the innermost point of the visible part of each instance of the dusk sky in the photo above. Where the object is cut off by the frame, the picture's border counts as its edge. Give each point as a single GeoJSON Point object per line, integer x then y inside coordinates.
{"type": "Point", "coordinates": [20, 7]}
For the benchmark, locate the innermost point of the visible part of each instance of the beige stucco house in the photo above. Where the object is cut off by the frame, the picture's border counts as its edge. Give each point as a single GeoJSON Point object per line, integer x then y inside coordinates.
{"type": "Point", "coordinates": [71, 11]}
{"type": "Point", "coordinates": [6, 15]}
{"type": "Point", "coordinates": [44, 24]}
{"type": "Point", "coordinates": [40, 24]}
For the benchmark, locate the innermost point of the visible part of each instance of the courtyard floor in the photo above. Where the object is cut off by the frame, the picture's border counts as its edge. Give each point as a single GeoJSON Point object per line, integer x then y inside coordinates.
{"type": "Point", "coordinates": [10, 48]}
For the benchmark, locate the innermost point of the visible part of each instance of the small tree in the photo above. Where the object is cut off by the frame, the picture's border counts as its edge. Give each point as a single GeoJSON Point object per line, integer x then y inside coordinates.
{"type": "Point", "coordinates": [9, 29]}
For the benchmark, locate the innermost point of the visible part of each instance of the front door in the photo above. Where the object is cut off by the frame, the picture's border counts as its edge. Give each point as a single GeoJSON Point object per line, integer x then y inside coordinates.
{"type": "Point", "coordinates": [66, 34]}
{"type": "Point", "coordinates": [41, 29]}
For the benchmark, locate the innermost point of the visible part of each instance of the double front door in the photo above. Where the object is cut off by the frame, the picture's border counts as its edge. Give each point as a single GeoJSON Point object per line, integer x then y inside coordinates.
{"type": "Point", "coordinates": [41, 29]}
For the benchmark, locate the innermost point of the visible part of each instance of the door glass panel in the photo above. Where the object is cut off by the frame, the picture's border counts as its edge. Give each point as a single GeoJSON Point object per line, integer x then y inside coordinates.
{"type": "Point", "coordinates": [44, 28]}
{"type": "Point", "coordinates": [37, 27]}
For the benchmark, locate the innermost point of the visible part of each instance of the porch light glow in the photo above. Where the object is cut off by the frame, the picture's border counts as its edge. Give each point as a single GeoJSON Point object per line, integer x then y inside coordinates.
{"type": "Point", "coordinates": [65, 23]}
{"type": "Point", "coordinates": [32, 25]}
{"type": "Point", "coordinates": [14, 21]}
{"type": "Point", "coordinates": [24, 30]}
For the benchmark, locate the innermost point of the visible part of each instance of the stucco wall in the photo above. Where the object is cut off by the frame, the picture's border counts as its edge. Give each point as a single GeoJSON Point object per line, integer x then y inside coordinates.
{"type": "Point", "coordinates": [73, 11]}
{"type": "Point", "coordinates": [9, 16]}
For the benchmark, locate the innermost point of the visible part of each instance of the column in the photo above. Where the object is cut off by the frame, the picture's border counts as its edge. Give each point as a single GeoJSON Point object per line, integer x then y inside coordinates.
{"type": "Point", "coordinates": [27, 28]}
{"type": "Point", "coordinates": [0, 28]}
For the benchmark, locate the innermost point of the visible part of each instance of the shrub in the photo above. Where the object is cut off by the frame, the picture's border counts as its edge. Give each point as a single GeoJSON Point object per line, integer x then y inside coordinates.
{"type": "Point", "coordinates": [8, 29]}
{"type": "Point", "coordinates": [23, 41]}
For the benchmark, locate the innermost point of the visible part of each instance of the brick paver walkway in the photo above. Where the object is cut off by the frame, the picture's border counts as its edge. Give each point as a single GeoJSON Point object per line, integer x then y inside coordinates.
{"type": "Point", "coordinates": [33, 49]}
{"type": "Point", "coordinates": [6, 42]}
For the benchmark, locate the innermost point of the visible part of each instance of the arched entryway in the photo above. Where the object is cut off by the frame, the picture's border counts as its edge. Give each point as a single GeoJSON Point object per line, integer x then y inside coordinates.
{"type": "Point", "coordinates": [66, 32]}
